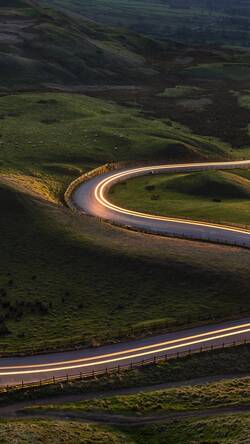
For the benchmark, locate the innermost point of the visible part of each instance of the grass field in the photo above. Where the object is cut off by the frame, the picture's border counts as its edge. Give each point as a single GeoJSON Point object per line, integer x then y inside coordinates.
{"type": "Point", "coordinates": [46, 141]}
{"type": "Point", "coordinates": [227, 393]}
{"type": "Point", "coordinates": [58, 432]}
{"type": "Point", "coordinates": [216, 196]}
{"type": "Point", "coordinates": [49, 139]}
{"type": "Point", "coordinates": [222, 430]}
{"type": "Point", "coordinates": [226, 429]}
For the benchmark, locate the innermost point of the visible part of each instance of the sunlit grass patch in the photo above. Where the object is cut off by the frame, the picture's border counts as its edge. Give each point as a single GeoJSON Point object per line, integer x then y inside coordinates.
{"type": "Point", "coordinates": [216, 196]}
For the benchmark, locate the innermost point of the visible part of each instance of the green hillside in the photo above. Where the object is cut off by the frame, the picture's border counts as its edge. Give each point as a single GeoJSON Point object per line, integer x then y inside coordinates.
{"type": "Point", "coordinates": [211, 183]}
{"type": "Point", "coordinates": [215, 196]}
{"type": "Point", "coordinates": [232, 392]}
{"type": "Point", "coordinates": [60, 285]}
{"type": "Point", "coordinates": [59, 288]}
{"type": "Point", "coordinates": [49, 139]}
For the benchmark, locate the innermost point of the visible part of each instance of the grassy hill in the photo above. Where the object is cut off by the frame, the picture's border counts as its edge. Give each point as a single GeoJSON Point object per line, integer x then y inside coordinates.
{"type": "Point", "coordinates": [60, 285]}
{"type": "Point", "coordinates": [40, 46]}
{"type": "Point", "coordinates": [216, 196]}
{"type": "Point", "coordinates": [198, 86]}
{"type": "Point", "coordinates": [59, 288]}
{"type": "Point", "coordinates": [213, 183]}
{"type": "Point", "coordinates": [49, 139]}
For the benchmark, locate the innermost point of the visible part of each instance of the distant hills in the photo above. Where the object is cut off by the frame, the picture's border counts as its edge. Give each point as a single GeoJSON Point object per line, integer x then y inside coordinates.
{"type": "Point", "coordinates": [40, 46]}
{"type": "Point", "coordinates": [45, 47]}
{"type": "Point", "coordinates": [224, 22]}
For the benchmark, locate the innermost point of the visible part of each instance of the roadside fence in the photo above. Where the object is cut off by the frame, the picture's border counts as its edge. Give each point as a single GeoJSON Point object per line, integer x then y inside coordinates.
{"type": "Point", "coordinates": [116, 370]}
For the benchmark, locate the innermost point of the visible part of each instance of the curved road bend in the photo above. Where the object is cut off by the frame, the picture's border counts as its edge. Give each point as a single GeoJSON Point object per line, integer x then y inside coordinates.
{"type": "Point", "coordinates": [91, 197]}
{"type": "Point", "coordinates": [27, 369]}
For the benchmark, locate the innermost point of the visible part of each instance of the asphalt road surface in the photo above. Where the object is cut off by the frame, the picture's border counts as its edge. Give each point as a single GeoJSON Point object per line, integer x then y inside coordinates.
{"type": "Point", "coordinates": [91, 197]}
{"type": "Point", "coordinates": [34, 368]}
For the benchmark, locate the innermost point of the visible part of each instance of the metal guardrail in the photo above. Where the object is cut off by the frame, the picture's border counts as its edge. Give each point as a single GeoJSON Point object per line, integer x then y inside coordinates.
{"type": "Point", "coordinates": [94, 374]}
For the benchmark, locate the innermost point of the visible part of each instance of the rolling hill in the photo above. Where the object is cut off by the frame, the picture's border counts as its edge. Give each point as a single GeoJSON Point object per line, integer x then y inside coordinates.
{"type": "Point", "coordinates": [211, 196]}
{"type": "Point", "coordinates": [211, 183]}
{"type": "Point", "coordinates": [193, 21]}
{"type": "Point", "coordinates": [40, 46]}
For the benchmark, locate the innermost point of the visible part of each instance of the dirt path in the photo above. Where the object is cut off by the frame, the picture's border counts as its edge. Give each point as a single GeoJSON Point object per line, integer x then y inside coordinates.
{"type": "Point", "coordinates": [132, 420]}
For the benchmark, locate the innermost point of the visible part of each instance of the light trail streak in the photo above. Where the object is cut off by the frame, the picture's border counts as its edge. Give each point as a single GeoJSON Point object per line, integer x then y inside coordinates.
{"type": "Point", "coordinates": [132, 350]}
{"type": "Point", "coordinates": [102, 188]}
{"type": "Point", "coordinates": [122, 358]}
{"type": "Point", "coordinates": [153, 349]}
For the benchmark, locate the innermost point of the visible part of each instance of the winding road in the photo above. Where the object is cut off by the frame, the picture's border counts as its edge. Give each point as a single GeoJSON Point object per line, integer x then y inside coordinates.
{"type": "Point", "coordinates": [34, 368]}
{"type": "Point", "coordinates": [91, 197]}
